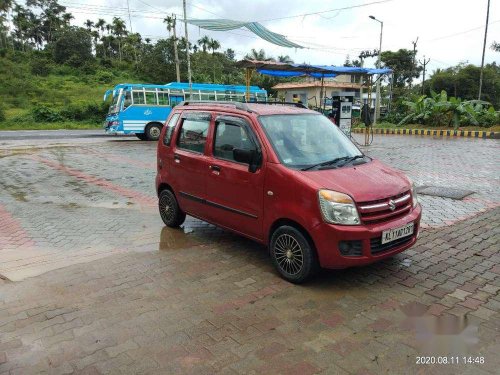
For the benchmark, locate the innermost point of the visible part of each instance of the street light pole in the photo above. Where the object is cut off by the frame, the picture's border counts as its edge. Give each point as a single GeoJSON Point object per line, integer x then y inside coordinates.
{"type": "Point", "coordinates": [377, 99]}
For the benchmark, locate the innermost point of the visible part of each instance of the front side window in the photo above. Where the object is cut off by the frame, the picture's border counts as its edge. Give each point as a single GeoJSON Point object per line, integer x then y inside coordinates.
{"type": "Point", "coordinates": [229, 136]}
{"type": "Point", "coordinates": [170, 129]}
{"type": "Point", "coordinates": [193, 134]}
{"type": "Point", "coordinates": [128, 99]}
{"type": "Point", "coordinates": [304, 140]}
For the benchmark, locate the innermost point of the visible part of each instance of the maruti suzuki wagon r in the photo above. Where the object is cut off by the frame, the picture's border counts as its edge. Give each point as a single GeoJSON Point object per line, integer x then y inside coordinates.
{"type": "Point", "coordinates": [287, 177]}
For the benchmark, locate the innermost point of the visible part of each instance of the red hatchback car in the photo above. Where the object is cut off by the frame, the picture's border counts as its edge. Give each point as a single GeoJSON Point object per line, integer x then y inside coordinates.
{"type": "Point", "coordinates": [287, 177]}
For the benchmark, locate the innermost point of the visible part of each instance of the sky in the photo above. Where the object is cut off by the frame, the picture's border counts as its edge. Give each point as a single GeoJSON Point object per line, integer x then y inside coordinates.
{"type": "Point", "coordinates": [448, 31]}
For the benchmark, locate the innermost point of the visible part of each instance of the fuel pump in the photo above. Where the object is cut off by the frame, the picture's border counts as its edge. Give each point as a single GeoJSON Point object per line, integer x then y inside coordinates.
{"type": "Point", "coordinates": [342, 111]}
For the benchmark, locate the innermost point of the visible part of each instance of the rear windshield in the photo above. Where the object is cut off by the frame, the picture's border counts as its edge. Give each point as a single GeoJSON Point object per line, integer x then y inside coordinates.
{"type": "Point", "coordinates": [307, 139]}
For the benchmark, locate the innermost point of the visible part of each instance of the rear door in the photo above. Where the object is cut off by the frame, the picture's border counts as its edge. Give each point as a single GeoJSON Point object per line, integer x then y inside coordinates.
{"type": "Point", "coordinates": [234, 194]}
{"type": "Point", "coordinates": [190, 163]}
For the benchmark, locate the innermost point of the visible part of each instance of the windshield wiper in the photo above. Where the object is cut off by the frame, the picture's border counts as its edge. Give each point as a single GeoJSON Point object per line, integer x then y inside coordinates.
{"type": "Point", "coordinates": [325, 163]}
{"type": "Point", "coordinates": [351, 159]}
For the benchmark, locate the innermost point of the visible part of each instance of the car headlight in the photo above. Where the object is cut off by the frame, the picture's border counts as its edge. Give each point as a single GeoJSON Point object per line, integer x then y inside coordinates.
{"type": "Point", "coordinates": [414, 196]}
{"type": "Point", "coordinates": [338, 208]}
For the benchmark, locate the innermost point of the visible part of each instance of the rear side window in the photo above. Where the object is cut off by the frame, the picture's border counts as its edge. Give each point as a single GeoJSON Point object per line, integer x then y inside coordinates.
{"type": "Point", "coordinates": [193, 134]}
{"type": "Point", "coordinates": [170, 129]}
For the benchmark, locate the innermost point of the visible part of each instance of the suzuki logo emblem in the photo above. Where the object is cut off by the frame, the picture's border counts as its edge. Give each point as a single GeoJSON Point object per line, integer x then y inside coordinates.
{"type": "Point", "coordinates": [392, 205]}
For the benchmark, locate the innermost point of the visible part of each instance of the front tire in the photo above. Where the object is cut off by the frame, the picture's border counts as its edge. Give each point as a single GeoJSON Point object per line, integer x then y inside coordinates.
{"type": "Point", "coordinates": [170, 212]}
{"type": "Point", "coordinates": [152, 132]}
{"type": "Point", "coordinates": [293, 255]}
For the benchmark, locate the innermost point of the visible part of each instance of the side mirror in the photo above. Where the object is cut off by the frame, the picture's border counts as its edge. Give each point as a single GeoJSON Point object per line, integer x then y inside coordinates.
{"type": "Point", "coordinates": [250, 157]}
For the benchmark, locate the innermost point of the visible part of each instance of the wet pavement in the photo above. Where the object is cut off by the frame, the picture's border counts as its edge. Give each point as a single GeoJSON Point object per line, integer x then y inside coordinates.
{"type": "Point", "coordinates": [94, 283]}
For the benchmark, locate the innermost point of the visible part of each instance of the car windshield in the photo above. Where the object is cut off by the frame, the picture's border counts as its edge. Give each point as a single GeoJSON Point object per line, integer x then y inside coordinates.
{"type": "Point", "coordinates": [305, 140]}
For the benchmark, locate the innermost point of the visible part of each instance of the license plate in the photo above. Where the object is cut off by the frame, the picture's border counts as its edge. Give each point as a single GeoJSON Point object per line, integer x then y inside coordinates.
{"type": "Point", "coordinates": [397, 233]}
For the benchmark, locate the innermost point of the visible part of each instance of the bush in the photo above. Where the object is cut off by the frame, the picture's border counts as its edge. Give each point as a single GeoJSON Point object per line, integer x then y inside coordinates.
{"type": "Point", "coordinates": [84, 112]}
{"type": "Point", "coordinates": [44, 114]}
{"type": "Point", "coordinates": [2, 114]}
{"type": "Point", "coordinates": [103, 76]}
{"type": "Point", "coordinates": [41, 67]}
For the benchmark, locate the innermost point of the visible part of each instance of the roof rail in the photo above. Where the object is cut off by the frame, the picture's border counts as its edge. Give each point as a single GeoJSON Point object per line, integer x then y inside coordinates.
{"type": "Point", "coordinates": [237, 105]}
{"type": "Point", "coordinates": [292, 104]}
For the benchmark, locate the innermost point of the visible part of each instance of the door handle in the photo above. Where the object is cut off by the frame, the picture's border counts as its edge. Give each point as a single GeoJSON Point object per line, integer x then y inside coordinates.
{"type": "Point", "coordinates": [215, 168]}
{"type": "Point", "coordinates": [177, 158]}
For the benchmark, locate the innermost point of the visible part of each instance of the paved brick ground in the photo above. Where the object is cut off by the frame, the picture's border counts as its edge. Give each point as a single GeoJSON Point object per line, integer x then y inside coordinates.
{"type": "Point", "coordinates": [107, 289]}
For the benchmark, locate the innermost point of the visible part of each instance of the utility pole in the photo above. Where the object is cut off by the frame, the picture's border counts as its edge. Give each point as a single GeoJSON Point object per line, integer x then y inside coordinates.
{"type": "Point", "coordinates": [424, 64]}
{"type": "Point", "coordinates": [131, 31]}
{"type": "Point", "coordinates": [379, 65]}
{"type": "Point", "coordinates": [187, 44]}
{"type": "Point", "coordinates": [176, 56]}
{"type": "Point", "coordinates": [414, 55]}
{"type": "Point", "coordinates": [484, 48]}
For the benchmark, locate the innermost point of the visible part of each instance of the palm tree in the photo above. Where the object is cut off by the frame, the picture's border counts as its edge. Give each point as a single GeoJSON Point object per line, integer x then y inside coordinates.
{"type": "Point", "coordinates": [258, 55]}
{"type": "Point", "coordinates": [119, 29]}
{"type": "Point", "coordinates": [89, 25]}
{"type": "Point", "coordinates": [213, 45]}
{"type": "Point", "coordinates": [101, 26]}
{"type": "Point", "coordinates": [285, 59]}
{"type": "Point", "coordinates": [203, 43]}
{"type": "Point", "coordinates": [171, 21]}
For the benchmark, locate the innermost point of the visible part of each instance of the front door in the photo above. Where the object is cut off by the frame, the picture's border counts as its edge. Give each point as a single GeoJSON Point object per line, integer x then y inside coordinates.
{"type": "Point", "coordinates": [190, 163]}
{"type": "Point", "coordinates": [234, 194]}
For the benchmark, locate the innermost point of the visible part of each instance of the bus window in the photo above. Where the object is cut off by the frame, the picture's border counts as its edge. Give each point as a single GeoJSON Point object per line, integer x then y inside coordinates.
{"type": "Point", "coordinates": [151, 98]}
{"type": "Point", "coordinates": [162, 98]}
{"type": "Point", "coordinates": [128, 99]}
{"type": "Point", "coordinates": [138, 97]}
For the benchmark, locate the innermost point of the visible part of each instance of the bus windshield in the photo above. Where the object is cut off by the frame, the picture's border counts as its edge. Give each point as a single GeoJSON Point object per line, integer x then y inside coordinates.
{"type": "Point", "coordinates": [114, 107]}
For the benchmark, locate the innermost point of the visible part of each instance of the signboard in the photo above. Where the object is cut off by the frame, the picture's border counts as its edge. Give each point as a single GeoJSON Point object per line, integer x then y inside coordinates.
{"type": "Point", "coordinates": [345, 126]}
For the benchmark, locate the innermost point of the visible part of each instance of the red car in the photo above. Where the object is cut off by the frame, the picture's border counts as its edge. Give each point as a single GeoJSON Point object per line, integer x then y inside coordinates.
{"type": "Point", "coordinates": [288, 178]}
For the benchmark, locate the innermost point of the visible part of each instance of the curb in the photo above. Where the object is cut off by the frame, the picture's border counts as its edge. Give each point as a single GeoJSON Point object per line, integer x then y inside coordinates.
{"type": "Point", "coordinates": [434, 133]}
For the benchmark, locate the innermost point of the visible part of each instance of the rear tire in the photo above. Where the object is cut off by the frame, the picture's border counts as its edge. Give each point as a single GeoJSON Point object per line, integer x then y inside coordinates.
{"type": "Point", "coordinates": [152, 132]}
{"type": "Point", "coordinates": [293, 255]}
{"type": "Point", "coordinates": [141, 136]}
{"type": "Point", "coordinates": [170, 212]}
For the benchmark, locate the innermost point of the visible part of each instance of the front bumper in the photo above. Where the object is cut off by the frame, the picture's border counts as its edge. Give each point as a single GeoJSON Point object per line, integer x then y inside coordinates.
{"type": "Point", "coordinates": [112, 130]}
{"type": "Point", "coordinates": [327, 237]}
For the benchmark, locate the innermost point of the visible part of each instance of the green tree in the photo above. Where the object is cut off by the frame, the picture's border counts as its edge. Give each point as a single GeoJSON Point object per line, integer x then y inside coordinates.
{"type": "Point", "coordinates": [403, 66]}
{"type": "Point", "coordinates": [495, 46]}
{"type": "Point", "coordinates": [74, 46]}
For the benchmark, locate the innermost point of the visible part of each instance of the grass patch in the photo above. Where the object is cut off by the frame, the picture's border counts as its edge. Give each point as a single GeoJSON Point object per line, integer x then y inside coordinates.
{"type": "Point", "coordinates": [7, 125]}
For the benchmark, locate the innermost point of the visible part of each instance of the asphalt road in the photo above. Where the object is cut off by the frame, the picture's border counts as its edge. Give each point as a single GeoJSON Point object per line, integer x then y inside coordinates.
{"type": "Point", "coordinates": [12, 135]}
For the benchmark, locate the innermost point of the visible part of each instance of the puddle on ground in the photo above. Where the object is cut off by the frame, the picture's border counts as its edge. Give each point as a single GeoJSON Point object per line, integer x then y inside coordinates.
{"type": "Point", "coordinates": [174, 239]}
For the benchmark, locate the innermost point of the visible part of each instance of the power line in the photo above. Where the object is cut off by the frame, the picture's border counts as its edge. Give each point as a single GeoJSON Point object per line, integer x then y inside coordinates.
{"type": "Point", "coordinates": [462, 32]}
{"type": "Point", "coordinates": [326, 11]}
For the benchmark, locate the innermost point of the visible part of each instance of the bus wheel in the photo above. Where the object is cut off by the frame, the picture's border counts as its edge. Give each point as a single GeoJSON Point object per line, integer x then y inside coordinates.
{"type": "Point", "coordinates": [141, 136]}
{"type": "Point", "coordinates": [153, 132]}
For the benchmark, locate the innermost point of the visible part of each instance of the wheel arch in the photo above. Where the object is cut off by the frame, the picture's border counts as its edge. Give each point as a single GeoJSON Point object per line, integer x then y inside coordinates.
{"type": "Point", "coordinates": [292, 223]}
{"type": "Point", "coordinates": [164, 186]}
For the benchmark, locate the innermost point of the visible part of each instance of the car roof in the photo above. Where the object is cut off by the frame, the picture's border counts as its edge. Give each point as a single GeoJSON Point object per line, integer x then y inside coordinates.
{"type": "Point", "coordinates": [257, 108]}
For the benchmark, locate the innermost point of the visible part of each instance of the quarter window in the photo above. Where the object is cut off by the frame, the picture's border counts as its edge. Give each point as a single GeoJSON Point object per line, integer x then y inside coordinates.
{"type": "Point", "coordinates": [193, 134]}
{"type": "Point", "coordinates": [170, 129]}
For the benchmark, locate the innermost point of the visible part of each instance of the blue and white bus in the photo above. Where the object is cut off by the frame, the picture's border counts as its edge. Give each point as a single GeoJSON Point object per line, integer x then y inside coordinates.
{"type": "Point", "coordinates": [142, 109]}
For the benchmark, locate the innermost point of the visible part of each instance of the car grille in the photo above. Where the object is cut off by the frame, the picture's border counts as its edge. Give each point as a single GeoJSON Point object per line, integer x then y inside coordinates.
{"type": "Point", "coordinates": [376, 246]}
{"type": "Point", "coordinates": [384, 209]}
